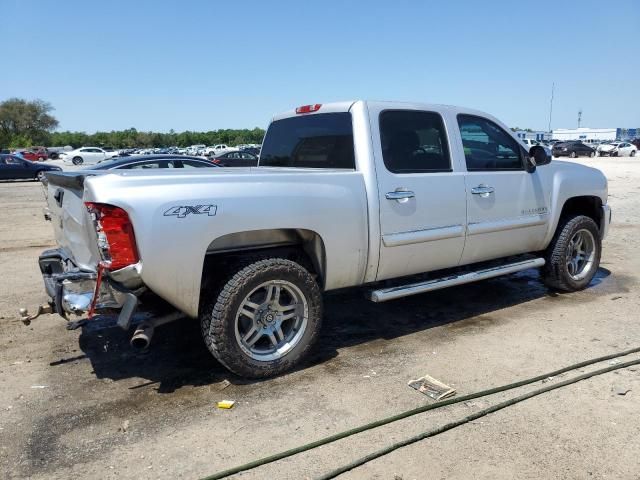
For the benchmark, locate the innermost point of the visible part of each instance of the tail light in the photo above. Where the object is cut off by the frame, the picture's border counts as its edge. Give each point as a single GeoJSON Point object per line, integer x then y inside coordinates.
{"type": "Point", "coordinates": [308, 108]}
{"type": "Point", "coordinates": [116, 239]}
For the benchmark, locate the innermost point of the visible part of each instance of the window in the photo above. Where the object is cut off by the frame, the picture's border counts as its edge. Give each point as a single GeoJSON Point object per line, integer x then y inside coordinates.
{"type": "Point", "coordinates": [149, 165]}
{"type": "Point", "coordinates": [487, 146]}
{"type": "Point", "coordinates": [414, 142]}
{"type": "Point", "coordinates": [193, 164]}
{"type": "Point", "coordinates": [14, 161]}
{"type": "Point", "coordinates": [310, 141]}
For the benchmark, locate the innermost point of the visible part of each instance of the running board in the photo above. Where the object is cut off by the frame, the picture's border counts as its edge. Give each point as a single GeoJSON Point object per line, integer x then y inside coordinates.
{"type": "Point", "coordinates": [392, 293]}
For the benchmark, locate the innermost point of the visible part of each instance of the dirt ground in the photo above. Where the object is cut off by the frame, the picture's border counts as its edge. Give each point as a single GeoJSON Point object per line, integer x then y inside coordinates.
{"type": "Point", "coordinates": [82, 404]}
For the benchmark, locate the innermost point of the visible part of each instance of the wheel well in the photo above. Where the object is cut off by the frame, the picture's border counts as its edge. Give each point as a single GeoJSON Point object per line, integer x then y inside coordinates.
{"type": "Point", "coordinates": [228, 253]}
{"type": "Point", "coordinates": [586, 205]}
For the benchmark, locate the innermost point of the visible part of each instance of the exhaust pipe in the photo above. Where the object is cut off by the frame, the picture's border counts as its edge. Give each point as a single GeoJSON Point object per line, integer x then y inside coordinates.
{"type": "Point", "coordinates": [141, 338]}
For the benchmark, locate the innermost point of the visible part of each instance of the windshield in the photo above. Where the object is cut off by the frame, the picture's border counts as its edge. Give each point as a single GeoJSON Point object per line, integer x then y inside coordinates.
{"type": "Point", "coordinates": [311, 141]}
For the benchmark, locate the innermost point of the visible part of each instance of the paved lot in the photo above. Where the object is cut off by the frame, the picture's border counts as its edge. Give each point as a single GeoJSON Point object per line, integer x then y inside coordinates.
{"type": "Point", "coordinates": [65, 395]}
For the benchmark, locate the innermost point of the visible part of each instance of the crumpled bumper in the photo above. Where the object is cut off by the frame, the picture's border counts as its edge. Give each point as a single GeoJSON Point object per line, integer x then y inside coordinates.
{"type": "Point", "coordinates": [71, 289]}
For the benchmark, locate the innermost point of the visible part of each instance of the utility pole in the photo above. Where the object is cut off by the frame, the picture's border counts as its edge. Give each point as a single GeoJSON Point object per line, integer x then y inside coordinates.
{"type": "Point", "coordinates": [551, 105]}
{"type": "Point", "coordinates": [579, 117]}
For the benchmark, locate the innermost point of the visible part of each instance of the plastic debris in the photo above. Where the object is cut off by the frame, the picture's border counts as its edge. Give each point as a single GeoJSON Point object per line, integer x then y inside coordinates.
{"type": "Point", "coordinates": [432, 388]}
{"type": "Point", "coordinates": [124, 427]}
{"type": "Point", "coordinates": [39, 386]}
{"type": "Point", "coordinates": [621, 390]}
{"type": "Point", "coordinates": [226, 404]}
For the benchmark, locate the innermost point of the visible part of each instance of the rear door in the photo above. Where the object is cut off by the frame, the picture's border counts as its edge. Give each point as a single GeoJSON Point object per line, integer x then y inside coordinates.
{"type": "Point", "coordinates": [507, 207]}
{"type": "Point", "coordinates": [422, 198]}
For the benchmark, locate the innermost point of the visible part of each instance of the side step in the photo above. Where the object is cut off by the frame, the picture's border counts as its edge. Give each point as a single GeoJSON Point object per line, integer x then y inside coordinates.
{"type": "Point", "coordinates": [392, 293]}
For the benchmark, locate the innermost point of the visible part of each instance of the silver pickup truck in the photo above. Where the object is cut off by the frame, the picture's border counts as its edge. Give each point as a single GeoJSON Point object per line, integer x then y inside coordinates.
{"type": "Point", "coordinates": [419, 196]}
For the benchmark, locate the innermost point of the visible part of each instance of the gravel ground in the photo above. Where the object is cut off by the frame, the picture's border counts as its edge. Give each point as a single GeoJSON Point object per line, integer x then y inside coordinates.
{"type": "Point", "coordinates": [82, 404]}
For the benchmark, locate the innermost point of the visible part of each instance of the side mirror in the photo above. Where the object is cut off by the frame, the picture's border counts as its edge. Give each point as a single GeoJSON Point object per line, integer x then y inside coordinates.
{"type": "Point", "coordinates": [539, 155]}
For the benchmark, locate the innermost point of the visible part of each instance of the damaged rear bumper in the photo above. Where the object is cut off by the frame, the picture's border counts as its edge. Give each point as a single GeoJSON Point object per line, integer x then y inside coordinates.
{"type": "Point", "coordinates": [71, 289]}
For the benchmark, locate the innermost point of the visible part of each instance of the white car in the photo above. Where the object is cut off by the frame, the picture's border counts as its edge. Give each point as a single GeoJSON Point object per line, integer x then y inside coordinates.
{"type": "Point", "coordinates": [617, 149]}
{"type": "Point", "coordinates": [87, 155]}
{"type": "Point", "coordinates": [217, 150]}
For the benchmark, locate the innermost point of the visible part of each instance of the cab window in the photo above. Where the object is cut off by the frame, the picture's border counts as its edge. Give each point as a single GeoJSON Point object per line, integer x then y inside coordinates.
{"type": "Point", "coordinates": [414, 142]}
{"type": "Point", "coordinates": [487, 146]}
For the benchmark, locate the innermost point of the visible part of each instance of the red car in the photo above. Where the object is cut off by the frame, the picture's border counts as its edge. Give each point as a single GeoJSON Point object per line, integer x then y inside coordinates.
{"type": "Point", "coordinates": [35, 155]}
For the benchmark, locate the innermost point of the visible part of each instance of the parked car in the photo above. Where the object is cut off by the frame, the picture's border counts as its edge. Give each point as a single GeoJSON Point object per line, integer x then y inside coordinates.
{"type": "Point", "coordinates": [236, 159]}
{"type": "Point", "coordinates": [572, 149]}
{"type": "Point", "coordinates": [15, 168]}
{"type": "Point", "coordinates": [34, 155]}
{"type": "Point", "coordinates": [86, 155]}
{"type": "Point", "coordinates": [346, 194]}
{"type": "Point", "coordinates": [216, 150]}
{"type": "Point", "coordinates": [152, 162]}
{"type": "Point", "coordinates": [617, 149]}
{"type": "Point", "coordinates": [636, 142]}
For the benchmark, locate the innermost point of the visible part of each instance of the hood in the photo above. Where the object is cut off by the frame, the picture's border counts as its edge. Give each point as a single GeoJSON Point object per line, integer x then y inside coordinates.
{"type": "Point", "coordinates": [607, 147]}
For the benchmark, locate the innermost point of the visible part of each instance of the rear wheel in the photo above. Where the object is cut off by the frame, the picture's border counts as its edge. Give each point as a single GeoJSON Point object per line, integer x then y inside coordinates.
{"type": "Point", "coordinates": [592, 154]}
{"type": "Point", "coordinates": [633, 153]}
{"type": "Point", "coordinates": [77, 160]}
{"type": "Point", "coordinates": [573, 257]}
{"type": "Point", "coordinates": [572, 154]}
{"type": "Point", "coordinates": [265, 319]}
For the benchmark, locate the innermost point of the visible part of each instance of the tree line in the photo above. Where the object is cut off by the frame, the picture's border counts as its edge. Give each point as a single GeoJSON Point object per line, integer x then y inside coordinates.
{"type": "Point", "coordinates": [25, 123]}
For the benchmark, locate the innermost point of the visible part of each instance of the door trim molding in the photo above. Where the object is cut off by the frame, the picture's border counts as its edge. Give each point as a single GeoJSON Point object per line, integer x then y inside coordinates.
{"type": "Point", "coordinates": [506, 224]}
{"type": "Point", "coordinates": [420, 236]}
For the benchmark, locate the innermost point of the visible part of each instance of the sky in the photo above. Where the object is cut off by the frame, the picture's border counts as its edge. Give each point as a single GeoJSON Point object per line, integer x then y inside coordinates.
{"type": "Point", "coordinates": [203, 65]}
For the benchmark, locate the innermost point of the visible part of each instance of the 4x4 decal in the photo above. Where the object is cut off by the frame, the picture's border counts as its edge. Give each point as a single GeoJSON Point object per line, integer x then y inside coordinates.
{"type": "Point", "coordinates": [184, 210]}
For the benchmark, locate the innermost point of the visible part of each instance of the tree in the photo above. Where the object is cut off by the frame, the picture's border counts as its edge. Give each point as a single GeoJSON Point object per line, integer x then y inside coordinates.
{"type": "Point", "coordinates": [26, 122]}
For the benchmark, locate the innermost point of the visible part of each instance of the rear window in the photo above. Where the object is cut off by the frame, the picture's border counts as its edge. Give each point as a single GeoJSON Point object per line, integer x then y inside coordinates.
{"type": "Point", "coordinates": [311, 141]}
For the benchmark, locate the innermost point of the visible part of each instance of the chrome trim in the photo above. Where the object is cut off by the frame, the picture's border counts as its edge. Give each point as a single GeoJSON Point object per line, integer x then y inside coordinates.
{"type": "Point", "coordinates": [506, 224]}
{"type": "Point", "coordinates": [384, 294]}
{"type": "Point", "coordinates": [399, 195]}
{"type": "Point", "coordinates": [482, 190]}
{"type": "Point", "coordinates": [419, 236]}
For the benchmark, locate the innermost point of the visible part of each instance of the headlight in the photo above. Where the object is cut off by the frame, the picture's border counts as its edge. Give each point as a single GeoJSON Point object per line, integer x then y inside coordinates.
{"type": "Point", "coordinates": [564, 149]}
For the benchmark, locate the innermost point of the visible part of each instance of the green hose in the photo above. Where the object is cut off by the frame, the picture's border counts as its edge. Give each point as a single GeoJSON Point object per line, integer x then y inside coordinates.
{"type": "Point", "coordinates": [394, 418]}
{"type": "Point", "coordinates": [469, 418]}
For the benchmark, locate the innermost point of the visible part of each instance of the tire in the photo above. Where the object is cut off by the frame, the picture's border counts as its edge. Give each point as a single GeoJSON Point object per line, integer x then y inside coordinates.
{"type": "Point", "coordinates": [557, 271]}
{"type": "Point", "coordinates": [77, 161]}
{"type": "Point", "coordinates": [227, 320]}
{"type": "Point", "coordinates": [592, 154]}
{"type": "Point", "coordinates": [573, 155]}
{"type": "Point", "coordinates": [39, 175]}
{"type": "Point", "coordinates": [633, 153]}
{"type": "Point", "coordinates": [42, 159]}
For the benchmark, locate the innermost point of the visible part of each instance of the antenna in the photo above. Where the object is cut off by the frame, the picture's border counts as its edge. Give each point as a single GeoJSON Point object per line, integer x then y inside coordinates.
{"type": "Point", "coordinates": [551, 105]}
{"type": "Point", "coordinates": [579, 117]}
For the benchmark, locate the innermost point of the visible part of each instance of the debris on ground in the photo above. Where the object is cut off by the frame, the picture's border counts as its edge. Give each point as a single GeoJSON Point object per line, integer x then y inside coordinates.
{"type": "Point", "coordinates": [615, 361]}
{"type": "Point", "coordinates": [124, 427]}
{"type": "Point", "coordinates": [621, 390]}
{"type": "Point", "coordinates": [39, 386]}
{"type": "Point", "coordinates": [226, 404]}
{"type": "Point", "coordinates": [432, 388]}
{"type": "Point", "coordinates": [223, 384]}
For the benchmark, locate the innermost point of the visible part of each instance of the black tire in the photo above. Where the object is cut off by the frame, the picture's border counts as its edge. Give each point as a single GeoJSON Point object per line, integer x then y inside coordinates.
{"type": "Point", "coordinates": [592, 154]}
{"type": "Point", "coordinates": [218, 317]}
{"type": "Point", "coordinates": [573, 155]}
{"type": "Point", "coordinates": [39, 175]}
{"type": "Point", "coordinates": [77, 160]}
{"type": "Point", "coordinates": [633, 153]}
{"type": "Point", "coordinates": [555, 273]}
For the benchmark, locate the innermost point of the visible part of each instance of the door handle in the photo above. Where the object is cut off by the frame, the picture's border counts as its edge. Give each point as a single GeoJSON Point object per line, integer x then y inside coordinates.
{"type": "Point", "coordinates": [482, 190]}
{"type": "Point", "coordinates": [400, 195]}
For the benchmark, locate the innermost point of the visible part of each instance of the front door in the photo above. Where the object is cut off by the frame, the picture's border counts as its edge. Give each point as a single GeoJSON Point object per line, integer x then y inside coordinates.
{"type": "Point", "coordinates": [507, 207]}
{"type": "Point", "coordinates": [422, 200]}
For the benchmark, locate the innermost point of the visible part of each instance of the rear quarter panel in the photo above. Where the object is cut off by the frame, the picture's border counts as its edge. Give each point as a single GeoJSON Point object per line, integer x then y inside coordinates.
{"type": "Point", "coordinates": [172, 249]}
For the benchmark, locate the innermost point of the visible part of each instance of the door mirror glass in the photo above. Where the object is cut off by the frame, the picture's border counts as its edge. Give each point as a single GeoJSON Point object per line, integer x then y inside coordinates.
{"type": "Point", "coordinates": [539, 155]}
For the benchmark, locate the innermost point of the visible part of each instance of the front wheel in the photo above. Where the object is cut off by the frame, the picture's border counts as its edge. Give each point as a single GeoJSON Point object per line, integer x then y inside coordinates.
{"type": "Point", "coordinates": [592, 154]}
{"type": "Point", "coordinates": [40, 175]}
{"type": "Point", "coordinates": [573, 257]}
{"type": "Point", "coordinates": [265, 319]}
{"type": "Point", "coordinates": [572, 154]}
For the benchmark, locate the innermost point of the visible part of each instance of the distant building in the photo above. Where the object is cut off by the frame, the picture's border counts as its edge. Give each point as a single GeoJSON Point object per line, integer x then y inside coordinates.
{"type": "Point", "coordinates": [533, 135]}
{"type": "Point", "coordinates": [591, 135]}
